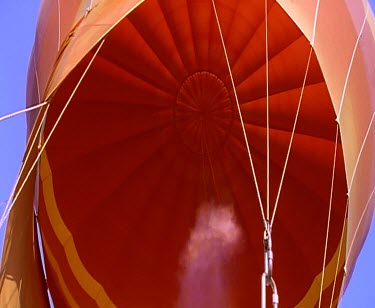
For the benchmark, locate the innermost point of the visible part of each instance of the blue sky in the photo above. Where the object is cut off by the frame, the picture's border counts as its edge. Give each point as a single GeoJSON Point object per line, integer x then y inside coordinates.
{"type": "Point", "coordinates": [17, 21]}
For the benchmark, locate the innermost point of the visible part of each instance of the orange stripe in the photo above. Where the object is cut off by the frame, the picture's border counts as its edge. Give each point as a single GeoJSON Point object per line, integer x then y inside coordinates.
{"type": "Point", "coordinates": [54, 264]}
{"type": "Point", "coordinates": [312, 296]}
{"type": "Point", "coordinates": [93, 288]}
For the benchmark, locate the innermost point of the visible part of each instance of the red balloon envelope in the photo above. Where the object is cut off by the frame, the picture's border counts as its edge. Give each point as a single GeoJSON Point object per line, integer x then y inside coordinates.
{"type": "Point", "coordinates": [173, 130]}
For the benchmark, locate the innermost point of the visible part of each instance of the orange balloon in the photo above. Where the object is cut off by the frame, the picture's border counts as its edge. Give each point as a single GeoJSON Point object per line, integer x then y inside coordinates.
{"type": "Point", "coordinates": [170, 134]}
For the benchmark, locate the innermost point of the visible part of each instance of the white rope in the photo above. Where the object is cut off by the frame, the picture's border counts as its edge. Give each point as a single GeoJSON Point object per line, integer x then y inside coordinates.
{"type": "Point", "coordinates": [268, 113]}
{"type": "Point", "coordinates": [339, 255]}
{"type": "Point", "coordinates": [48, 138]}
{"type": "Point", "coordinates": [351, 64]}
{"type": "Point", "coordinates": [359, 223]}
{"type": "Point", "coordinates": [315, 23]}
{"type": "Point", "coordinates": [239, 112]}
{"type": "Point", "coordinates": [329, 217]}
{"type": "Point", "coordinates": [9, 203]}
{"type": "Point", "coordinates": [360, 153]}
{"type": "Point", "coordinates": [22, 111]}
{"type": "Point", "coordinates": [299, 105]}
{"type": "Point", "coordinates": [59, 25]}
{"type": "Point", "coordinates": [291, 138]}
{"type": "Point", "coordinates": [367, 132]}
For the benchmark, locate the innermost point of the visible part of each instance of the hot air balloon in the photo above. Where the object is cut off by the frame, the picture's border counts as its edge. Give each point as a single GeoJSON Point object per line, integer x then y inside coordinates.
{"type": "Point", "coordinates": [194, 154]}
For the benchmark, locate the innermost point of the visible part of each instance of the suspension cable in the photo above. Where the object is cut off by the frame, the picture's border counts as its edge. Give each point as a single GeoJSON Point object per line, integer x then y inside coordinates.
{"type": "Point", "coordinates": [59, 25]}
{"type": "Point", "coordinates": [360, 222]}
{"type": "Point", "coordinates": [360, 153]}
{"type": "Point", "coordinates": [9, 203]}
{"type": "Point", "coordinates": [291, 138]}
{"type": "Point", "coordinates": [13, 200]}
{"type": "Point", "coordinates": [240, 114]}
{"type": "Point", "coordinates": [23, 111]}
{"type": "Point", "coordinates": [268, 112]}
{"type": "Point", "coordinates": [339, 255]}
{"type": "Point", "coordinates": [267, 276]}
{"type": "Point", "coordinates": [312, 43]}
{"type": "Point", "coordinates": [315, 23]}
{"type": "Point", "coordinates": [338, 118]}
{"type": "Point", "coordinates": [351, 64]}
{"type": "Point", "coordinates": [329, 215]}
